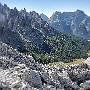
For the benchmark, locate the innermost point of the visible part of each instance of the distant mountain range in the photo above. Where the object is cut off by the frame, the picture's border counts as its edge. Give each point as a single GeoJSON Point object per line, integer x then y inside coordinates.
{"type": "Point", "coordinates": [30, 34]}
{"type": "Point", "coordinates": [74, 23]}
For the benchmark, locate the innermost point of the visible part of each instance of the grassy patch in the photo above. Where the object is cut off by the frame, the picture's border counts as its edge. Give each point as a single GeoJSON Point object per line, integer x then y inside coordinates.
{"type": "Point", "coordinates": [76, 61]}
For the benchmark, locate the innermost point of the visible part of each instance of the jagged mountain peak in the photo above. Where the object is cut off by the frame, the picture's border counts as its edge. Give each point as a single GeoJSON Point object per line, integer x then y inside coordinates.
{"type": "Point", "coordinates": [44, 17]}
{"type": "Point", "coordinates": [24, 9]}
{"type": "Point", "coordinates": [15, 9]}
{"type": "Point", "coordinates": [57, 12]}
{"type": "Point", "coordinates": [80, 12]}
{"type": "Point", "coordinates": [42, 14]}
{"type": "Point", "coordinates": [4, 6]}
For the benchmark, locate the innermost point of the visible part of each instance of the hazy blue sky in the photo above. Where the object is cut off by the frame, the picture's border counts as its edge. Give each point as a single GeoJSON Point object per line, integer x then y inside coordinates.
{"type": "Point", "coordinates": [49, 6]}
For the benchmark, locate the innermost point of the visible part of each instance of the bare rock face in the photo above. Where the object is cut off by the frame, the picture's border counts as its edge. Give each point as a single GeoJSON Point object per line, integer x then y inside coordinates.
{"type": "Point", "coordinates": [4, 86]}
{"type": "Point", "coordinates": [19, 78]}
{"type": "Point", "coordinates": [33, 78]}
{"type": "Point", "coordinates": [88, 62]}
{"type": "Point", "coordinates": [7, 34]}
{"type": "Point", "coordinates": [85, 85]}
{"type": "Point", "coordinates": [78, 74]}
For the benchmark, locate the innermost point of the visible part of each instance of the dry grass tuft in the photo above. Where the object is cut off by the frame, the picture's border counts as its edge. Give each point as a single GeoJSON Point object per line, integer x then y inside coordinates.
{"type": "Point", "coordinates": [76, 61]}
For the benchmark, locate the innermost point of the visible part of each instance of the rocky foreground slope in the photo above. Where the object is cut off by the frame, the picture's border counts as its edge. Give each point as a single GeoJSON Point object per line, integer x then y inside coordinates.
{"type": "Point", "coordinates": [20, 72]}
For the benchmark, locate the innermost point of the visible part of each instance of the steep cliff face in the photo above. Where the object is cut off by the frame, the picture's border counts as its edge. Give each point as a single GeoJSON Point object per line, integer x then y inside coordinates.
{"type": "Point", "coordinates": [7, 34]}
{"type": "Point", "coordinates": [17, 27]}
